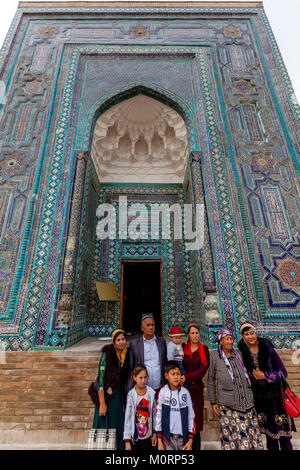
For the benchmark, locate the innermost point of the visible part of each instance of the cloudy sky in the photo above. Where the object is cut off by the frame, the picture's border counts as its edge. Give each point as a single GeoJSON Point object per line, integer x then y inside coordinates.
{"type": "Point", "coordinates": [284, 16]}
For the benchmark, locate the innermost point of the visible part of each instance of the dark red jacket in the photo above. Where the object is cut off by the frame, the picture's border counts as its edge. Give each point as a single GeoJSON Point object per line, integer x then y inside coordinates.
{"type": "Point", "coordinates": [195, 371]}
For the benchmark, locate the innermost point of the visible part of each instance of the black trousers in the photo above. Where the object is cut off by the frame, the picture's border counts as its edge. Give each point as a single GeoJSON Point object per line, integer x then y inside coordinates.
{"type": "Point", "coordinates": [142, 445]}
{"type": "Point", "coordinates": [284, 442]}
{"type": "Point", "coordinates": [197, 441]}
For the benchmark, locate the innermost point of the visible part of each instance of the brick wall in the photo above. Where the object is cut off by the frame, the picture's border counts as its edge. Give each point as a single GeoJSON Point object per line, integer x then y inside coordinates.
{"type": "Point", "coordinates": [44, 400]}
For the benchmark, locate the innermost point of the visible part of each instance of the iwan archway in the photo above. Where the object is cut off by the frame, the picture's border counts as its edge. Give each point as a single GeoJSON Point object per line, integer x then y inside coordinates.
{"type": "Point", "coordinates": [140, 144]}
{"type": "Point", "coordinates": [140, 151]}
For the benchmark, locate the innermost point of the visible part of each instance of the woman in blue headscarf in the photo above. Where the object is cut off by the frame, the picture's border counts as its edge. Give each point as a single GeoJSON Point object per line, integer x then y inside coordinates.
{"type": "Point", "coordinates": [232, 398]}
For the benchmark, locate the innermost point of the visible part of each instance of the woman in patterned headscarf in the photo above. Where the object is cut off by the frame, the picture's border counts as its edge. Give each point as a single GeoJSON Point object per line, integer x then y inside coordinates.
{"type": "Point", "coordinates": [232, 399]}
{"type": "Point", "coordinates": [111, 386]}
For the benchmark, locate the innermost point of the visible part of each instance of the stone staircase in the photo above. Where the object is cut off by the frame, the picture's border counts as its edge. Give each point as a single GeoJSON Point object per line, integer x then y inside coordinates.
{"type": "Point", "coordinates": [210, 435]}
{"type": "Point", "coordinates": [44, 402]}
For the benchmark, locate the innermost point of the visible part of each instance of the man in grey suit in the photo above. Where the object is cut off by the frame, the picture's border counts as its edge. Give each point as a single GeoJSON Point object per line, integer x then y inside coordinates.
{"type": "Point", "coordinates": [151, 351]}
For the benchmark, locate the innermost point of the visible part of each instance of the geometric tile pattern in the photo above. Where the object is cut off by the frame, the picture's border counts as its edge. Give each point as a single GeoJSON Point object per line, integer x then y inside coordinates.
{"type": "Point", "coordinates": [177, 298]}
{"type": "Point", "coordinates": [133, 251]}
{"type": "Point", "coordinates": [224, 74]}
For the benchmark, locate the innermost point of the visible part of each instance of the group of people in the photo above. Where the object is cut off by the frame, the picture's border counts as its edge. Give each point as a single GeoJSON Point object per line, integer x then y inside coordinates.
{"type": "Point", "coordinates": [152, 394]}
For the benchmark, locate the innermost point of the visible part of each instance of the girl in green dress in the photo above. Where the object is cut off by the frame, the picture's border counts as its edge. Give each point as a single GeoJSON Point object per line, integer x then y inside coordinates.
{"type": "Point", "coordinates": [111, 386]}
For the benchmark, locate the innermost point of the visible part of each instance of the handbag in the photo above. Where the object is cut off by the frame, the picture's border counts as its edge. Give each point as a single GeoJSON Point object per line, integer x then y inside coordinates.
{"type": "Point", "coordinates": [92, 390]}
{"type": "Point", "coordinates": [102, 439]}
{"type": "Point", "coordinates": [290, 400]}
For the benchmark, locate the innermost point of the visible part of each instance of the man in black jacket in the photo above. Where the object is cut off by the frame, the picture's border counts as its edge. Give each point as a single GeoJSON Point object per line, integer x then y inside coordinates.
{"type": "Point", "coordinates": [151, 351]}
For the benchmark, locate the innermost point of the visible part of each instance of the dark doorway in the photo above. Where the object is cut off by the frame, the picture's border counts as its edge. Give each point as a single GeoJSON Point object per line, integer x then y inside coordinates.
{"type": "Point", "coordinates": [141, 293]}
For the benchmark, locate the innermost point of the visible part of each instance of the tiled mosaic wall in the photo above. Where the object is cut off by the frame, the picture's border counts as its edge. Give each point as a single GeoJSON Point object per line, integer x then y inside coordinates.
{"type": "Point", "coordinates": [225, 76]}
{"type": "Point", "coordinates": [177, 295]}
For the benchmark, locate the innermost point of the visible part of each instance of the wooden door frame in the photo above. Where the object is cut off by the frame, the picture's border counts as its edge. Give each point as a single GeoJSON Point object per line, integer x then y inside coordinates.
{"type": "Point", "coordinates": [132, 261]}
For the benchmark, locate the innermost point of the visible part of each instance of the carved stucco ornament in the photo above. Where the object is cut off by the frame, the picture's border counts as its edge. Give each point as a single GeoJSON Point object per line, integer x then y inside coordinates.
{"type": "Point", "coordinates": [243, 86]}
{"type": "Point", "coordinates": [139, 32]}
{"type": "Point", "coordinates": [211, 307]}
{"type": "Point", "coordinates": [232, 32]}
{"type": "Point", "coordinates": [47, 31]}
{"type": "Point", "coordinates": [140, 140]}
{"type": "Point", "coordinates": [288, 272]}
{"type": "Point", "coordinates": [262, 162]}
{"type": "Point", "coordinates": [14, 164]}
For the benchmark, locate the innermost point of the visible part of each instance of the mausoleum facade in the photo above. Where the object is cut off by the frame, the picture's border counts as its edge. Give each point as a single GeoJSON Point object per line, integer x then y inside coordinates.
{"type": "Point", "coordinates": [149, 105]}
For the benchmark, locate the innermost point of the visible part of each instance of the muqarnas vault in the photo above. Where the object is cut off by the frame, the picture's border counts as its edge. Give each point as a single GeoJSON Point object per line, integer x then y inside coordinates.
{"type": "Point", "coordinates": [171, 103]}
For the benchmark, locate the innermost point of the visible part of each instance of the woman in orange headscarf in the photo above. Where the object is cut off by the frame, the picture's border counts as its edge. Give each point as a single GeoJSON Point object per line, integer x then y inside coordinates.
{"type": "Point", "coordinates": [195, 363]}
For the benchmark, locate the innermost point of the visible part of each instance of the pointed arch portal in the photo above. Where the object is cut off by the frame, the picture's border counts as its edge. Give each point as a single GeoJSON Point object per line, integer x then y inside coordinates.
{"type": "Point", "coordinates": [49, 300]}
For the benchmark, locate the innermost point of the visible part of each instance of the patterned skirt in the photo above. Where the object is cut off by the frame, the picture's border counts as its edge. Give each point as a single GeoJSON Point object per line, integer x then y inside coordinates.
{"type": "Point", "coordinates": [239, 431]}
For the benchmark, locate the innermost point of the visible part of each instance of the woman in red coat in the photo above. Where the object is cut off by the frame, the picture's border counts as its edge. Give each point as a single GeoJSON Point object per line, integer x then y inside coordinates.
{"type": "Point", "coordinates": [195, 363]}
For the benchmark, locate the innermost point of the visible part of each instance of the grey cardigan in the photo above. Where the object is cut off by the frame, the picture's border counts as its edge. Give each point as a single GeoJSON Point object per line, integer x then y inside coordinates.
{"type": "Point", "coordinates": [236, 394]}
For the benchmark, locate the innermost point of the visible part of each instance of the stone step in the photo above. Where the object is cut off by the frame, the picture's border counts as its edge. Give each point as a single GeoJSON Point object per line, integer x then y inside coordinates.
{"type": "Point", "coordinates": [47, 391]}
{"type": "Point", "coordinates": [44, 401]}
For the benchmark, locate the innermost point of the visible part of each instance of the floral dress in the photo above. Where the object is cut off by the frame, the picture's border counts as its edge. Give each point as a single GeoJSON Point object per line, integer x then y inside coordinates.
{"type": "Point", "coordinates": [239, 431]}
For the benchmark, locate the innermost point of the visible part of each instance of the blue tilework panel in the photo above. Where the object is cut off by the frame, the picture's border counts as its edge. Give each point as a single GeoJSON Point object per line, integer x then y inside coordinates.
{"type": "Point", "coordinates": [177, 298]}
{"type": "Point", "coordinates": [225, 75]}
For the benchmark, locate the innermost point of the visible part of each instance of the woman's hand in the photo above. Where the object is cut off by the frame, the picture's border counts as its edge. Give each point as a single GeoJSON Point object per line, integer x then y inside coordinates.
{"type": "Point", "coordinates": [258, 374]}
{"type": "Point", "coordinates": [160, 445]}
{"type": "Point", "coordinates": [216, 410]}
{"type": "Point", "coordinates": [102, 409]}
{"type": "Point", "coordinates": [127, 446]}
{"type": "Point", "coordinates": [182, 380]}
{"type": "Point", "coordinates": [154, 440]}
{"type": "Point", "coordinates": [188, 445]}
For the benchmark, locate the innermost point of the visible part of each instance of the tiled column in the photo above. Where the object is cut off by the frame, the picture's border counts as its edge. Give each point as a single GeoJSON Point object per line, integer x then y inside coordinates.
{"type": "Point", "coordinates": [65, 305]}
{"type": "Point", "coordinates": [208, 274]}
{"type": "Point", "coordinates": [212, 315]}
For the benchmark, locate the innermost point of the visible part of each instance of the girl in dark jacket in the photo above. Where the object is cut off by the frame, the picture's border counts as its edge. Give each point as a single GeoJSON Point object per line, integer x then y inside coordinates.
{"type": "Point", "coordinates": [111, 386]}
{"type": "Point", "coordinates": [264, 367]}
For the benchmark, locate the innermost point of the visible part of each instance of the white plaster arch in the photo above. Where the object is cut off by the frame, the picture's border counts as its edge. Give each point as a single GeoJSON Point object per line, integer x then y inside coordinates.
{"type": "Point", "coordinates": [140, 140]}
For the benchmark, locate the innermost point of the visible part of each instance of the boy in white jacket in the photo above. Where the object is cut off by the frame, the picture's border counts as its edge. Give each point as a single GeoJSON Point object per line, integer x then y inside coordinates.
{"type": "Point", "coordinates": [175, 424]}
{"type": "Point", "coordinates": [140, 413]}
